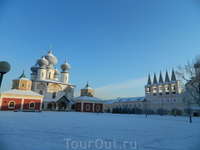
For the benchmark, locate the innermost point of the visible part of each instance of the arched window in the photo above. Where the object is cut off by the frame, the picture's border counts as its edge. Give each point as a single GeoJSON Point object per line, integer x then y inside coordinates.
{"type": "Point", "coordinates": [98, 108]}
{"type": "Point", "coordinates": [11, 104]}
{"type": "Point", "coordinates": [41, 92]}
{"type": "Point", "coordinates": [54, 95]}
{"type": "Point", "coordinates": [23, 85]}
{"type": "Point", "coordinates": [87, 107]}
{"type": "Point", "coordinates": [49, 75]}
{"type": "Point", "coordinates": [31, 105]}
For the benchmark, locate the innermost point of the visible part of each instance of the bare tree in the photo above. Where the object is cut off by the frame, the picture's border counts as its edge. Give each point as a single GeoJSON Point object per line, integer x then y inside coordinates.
{"type": "Point", "coordinates": [189, 75]}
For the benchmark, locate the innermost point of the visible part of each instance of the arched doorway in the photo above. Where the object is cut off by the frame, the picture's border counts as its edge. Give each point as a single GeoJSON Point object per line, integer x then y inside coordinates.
{"type": "Point", "coordinates": [49, 106]}
{"type": "Point", "coordinates": [73, 107]}
{"type": "Point", "coordinates": [62, 106]}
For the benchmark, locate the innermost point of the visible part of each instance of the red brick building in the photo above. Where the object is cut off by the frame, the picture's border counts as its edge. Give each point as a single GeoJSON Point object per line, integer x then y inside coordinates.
{"type": "Point", "coordinates": [86, 102]}
{"type": "Point", "coordinates": [21, 97]}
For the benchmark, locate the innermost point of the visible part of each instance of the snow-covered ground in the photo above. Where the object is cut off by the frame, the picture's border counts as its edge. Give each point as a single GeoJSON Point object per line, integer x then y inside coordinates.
{"type": "Point", "coordinates": [75, 130]}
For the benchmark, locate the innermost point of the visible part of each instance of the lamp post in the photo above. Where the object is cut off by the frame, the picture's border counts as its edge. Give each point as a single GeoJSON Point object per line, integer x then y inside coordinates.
{"type": "Point", "coordinates": [4, 68]}
{"type": "Point", "coordinates": [145, 103]}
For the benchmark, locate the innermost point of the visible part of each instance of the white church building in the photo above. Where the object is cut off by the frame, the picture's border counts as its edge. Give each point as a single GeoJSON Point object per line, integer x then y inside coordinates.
{"type": "Point", "coordinates": [58, 93]}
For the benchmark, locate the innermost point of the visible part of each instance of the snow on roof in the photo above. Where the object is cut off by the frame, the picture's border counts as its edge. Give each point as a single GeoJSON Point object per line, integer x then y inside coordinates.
{"type": "Point", "coordinates": [87, 88]}
{"type": "Point", "coordinates": [87, 98]}
{"type": "Point", "coordinates": [127, 99]}
{"type": "Point", "coordinates": [54, 81]}
{"type": "Point", "coordinates": [54, 99]}
{"type": "Point", "coordinates": [21, 92]}
{"type": "Point", "coordinates": [22, 79]}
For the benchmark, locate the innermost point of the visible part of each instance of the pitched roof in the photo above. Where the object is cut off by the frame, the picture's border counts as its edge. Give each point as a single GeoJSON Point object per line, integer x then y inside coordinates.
{"type": "Point", "coordinates": [87, 98]}
{"type": "Point", "coordinates": [21, 92]}
{"type": "Point", "coordinates": [127, 99]}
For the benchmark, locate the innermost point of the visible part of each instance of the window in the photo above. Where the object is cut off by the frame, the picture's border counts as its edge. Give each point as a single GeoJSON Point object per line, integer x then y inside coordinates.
{"type": "Point", "coordinates": [98, 108]}
{"type": "Point", "coordinates": [174, 100]}
{"type": "Point", "coordinates": [167, 100]}
{"type": "Point", "coordinates": [87, 107]}
{"type": "Point", "coordinates": [49, 75]}
{"type": "Point", "coordinates": [41, 92]}
{"type": "Point", "coordinates": [23, 85]}
{"type": "Point", "coordinates": [31, 105]}
{"type": "Point", "coordinates": [16, 84]}
{"type": "Point", "coordinates": [54, 95]}
{"type": "Point", "coordinates": [11, 104]}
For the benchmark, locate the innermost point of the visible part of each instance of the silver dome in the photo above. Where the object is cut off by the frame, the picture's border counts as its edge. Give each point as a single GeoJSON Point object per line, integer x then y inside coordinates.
{"type": "Point", "coordinates": [34, 69]}
{"type": "Point", "coordinates": [56, 73]}
{"type": "Point", "coordinates": [51, 59]}
{"type": "Point", "coordinates": [42, 62]}
{"type": "Point", "coordinates": [65, 67]}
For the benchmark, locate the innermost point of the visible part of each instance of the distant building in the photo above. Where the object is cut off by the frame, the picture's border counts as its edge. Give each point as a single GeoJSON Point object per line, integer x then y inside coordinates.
{"type": "Point", "coordinates": [125, 105]}
{"type": "Point", "coordinates": [164, 96]}
{"type": "Point", "coordinates": [21, 97]}
{"type": "Point", "coordinates": [161, 97]}
{"type": "Point", "coordinates": [86, 102]}
{"type": "Point", "coordinates": [58, 94]}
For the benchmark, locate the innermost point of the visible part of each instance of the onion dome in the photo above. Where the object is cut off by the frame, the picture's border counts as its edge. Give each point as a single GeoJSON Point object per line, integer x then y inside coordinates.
{"type": "Point", "coordinates": [65, 67]}
{"type": "Point", "coordinates": [42, 62]}
{"type": "Point", "coordinates": [197, 64]}
{"type": "Point", "coordinates": [51, 59]}
{"type": "Point", "coordinates": [34, 69]}
{"type": "Point", "coordinates": [56, 72]}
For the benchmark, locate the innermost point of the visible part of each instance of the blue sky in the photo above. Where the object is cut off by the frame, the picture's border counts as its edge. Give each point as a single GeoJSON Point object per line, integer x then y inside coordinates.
{"type": "Point", "coordinates": [112, 44]}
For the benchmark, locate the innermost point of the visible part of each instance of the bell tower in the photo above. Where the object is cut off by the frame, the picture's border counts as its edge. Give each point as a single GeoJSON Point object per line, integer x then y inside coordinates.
{"type": "Point", "coordinates": [22, 83]}
{"type": "Point", "coordinates": [87, 91]}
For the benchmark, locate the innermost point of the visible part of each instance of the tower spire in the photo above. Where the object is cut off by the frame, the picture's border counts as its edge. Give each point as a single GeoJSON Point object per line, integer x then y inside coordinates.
{"type": "Point", "coordinates": [149, 80]}
{"type": "Point", "coordinates": [166, 77]}
{"type": "Point", "coordinates": [173, 77]}
{"type": "Point", "coordinates": [160, 78]}
{"type": "Point", "coordinates": [155, 79]}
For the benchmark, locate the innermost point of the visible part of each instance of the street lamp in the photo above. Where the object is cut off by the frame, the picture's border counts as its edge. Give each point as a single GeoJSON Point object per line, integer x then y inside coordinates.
{"type": "Point", "coordinates": [4, 68]}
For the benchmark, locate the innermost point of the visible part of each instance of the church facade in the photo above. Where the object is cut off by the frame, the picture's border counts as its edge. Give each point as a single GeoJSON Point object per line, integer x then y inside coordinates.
{"type": "Point", "coordinates": [58, 93]}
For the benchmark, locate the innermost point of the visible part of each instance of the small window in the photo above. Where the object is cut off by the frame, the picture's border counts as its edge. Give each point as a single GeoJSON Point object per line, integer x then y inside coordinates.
{"type": "Point", "coordinates": [174, 100]}
{"type": "Point", "coordinates": [16, 84]}
{"type": "Point", "coordinates": [41, 92]}
{"type": "Point", "coordinates": [11, 104]}
{"type": "Point", "coordinates": [87, 107]}
{"type": "Point", "coordinates": [54, 95]}
{"type": "Point", "coordinates": [49, 75]}
{"type": "Point", "coordinates": [31, 105]}
{"type": "Point", "coordinates": [78, 107]}
{"type": "Point", "coordinates": [167, 100]}
{"type": "Point", "coordinates": [23, 85]}
{"type": "Point", "coordinates": [98, 108]}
